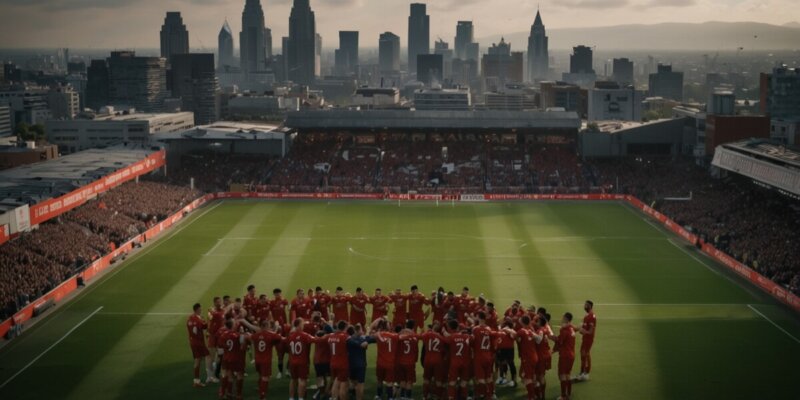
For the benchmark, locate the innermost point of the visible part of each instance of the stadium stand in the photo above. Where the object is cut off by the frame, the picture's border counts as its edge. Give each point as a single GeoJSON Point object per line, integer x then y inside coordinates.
{"type": "Point", "coordinates": [39, 260]}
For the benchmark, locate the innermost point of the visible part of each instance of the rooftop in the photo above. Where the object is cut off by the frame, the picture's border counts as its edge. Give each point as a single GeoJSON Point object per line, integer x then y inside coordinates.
{"type": "Point", "coordinates": [226, 130]}
{"type": "Point", "coordinates": [768, 149]}
{"type": "Point", "coordinates": [33, 183]}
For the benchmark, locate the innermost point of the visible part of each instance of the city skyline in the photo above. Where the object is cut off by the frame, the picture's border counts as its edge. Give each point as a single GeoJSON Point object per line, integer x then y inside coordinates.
{"type": "Point", "coordinates": [95, 23]}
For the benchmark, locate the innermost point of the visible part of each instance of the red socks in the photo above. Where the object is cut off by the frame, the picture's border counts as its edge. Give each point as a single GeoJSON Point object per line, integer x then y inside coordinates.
{"type": "Point", "coordinates": [564, 389]}
{"type": "Point", "coordinates": [451, 392]}
{"type": "Point", "coordinates": [223, 387]}
{"type": "Point", "coordinates": [531, 388]}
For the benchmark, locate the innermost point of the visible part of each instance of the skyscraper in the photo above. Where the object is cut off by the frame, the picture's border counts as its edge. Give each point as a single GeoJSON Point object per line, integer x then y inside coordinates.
{"type": "Point", "coordinates": [195, 83]}
{"type": "Point", "coordinates": [430, 69]}
{"type": "Point", "coordinates": [666, 83]}
{"type": "Point", "coordinates": [302, 43]}
{"type": "Point", "coordinates": [97, 84]}
{"type": "Point", "coordinates": [389, 53]}
{"type": "Point", "coordinates": [501, 63]}
{"type": "Point", "coordinates": [623, 71]}
{"type": "Point", "coordinates": [251, 39]}
{"type": "Point", "coordinates": [140, 82]}
{"type": "Point", "coordinates": [419, 34]}
{"type": "Point", "coordinates": [538, 55]}
{"type": "Point", "coordinates": [346, 56]}
{"type": "Point", "coordinates": [225, 47]}
{"type": "Point", "coordinates": [580, 61]}
{"type": "Point", "coordinates": [443, 48]}
{"type": "Point", "coordinates": [174, 36]}
{"type": "Point", "coordinates": [465, 34]}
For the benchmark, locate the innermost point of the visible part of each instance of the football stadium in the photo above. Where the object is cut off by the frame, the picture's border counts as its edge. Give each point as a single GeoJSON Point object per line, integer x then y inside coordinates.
{"type": "Point", "coordinates": [127, 272]}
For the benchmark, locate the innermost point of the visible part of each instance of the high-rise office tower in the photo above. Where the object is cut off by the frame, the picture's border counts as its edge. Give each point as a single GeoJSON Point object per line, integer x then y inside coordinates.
{"type": "Point", "coordinates": [302, 60]}
{"type": "Point", "coordinates": [251, 40]}
{"type": "Point", "coordinates": [430, 69]}
{"type": "Point", "coordinates": [268, 43]}
{"type": "Point", "coordinates": [501, 63]}
{"type": "Point", "coordinates": [666, 83]}
{"type": "Point", "coordinates": [97, 84]}
{"type": "Point", "coordinates": [389, 52]}
{"type": "Point", "coordinates": [419, 34]}
{"type": "Point", "coordinates": [225, 47]}
{"type": "Point", "coordinates": [538, 55]}
{"type": "Point", "coordinates": [140, 82]}
{"type": "Point", "coordinates": [465, 34]}
{"type": "Point", "coordinates": [623, 71]}
{"type": "Point", "coordinates": [346, 56]}
{"type": "Point", "coordinates": [580, 61]}
{"type": "Point", "coordinates": [195, 83]}
{"type": "Point", "coordinates": [174, 36]}
{"type": "Point", "coordinates": [443, 48]}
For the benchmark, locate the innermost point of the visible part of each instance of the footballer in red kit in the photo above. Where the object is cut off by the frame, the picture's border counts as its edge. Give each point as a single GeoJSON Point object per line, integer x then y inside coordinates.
{"type": "Point", "coordinates": [322, 303]}
{"type": "Point", "coordinates": [197, 341]}
{"type": "Point", "coordinates": [263, 342]}
{"type": "Point", "coordinates": [434, 372]}
{"type": "Point", "coordinates": [407, 359]}
{"type": "Point", "coordinates": [278, 307]}
{"type": "Point", "coordinates": [299, 351]}
{"type": "Point", "coordinates": [587, 330]}
{"type": "Point", "coordinates": [340, 367]}
{"type": "Point", "coordinates": [460, 358]}
{"type": "Point", "coordinates": [340, 304]}
{"type": "Point", "coordinates": [358, 308]}
{"type": "Point", "coordinates": [379, 305]}
{"type": "Point", "coordinates": [484, 349]}
{"type": "Point", "coordinates": [387, 343]}
{"type": "Point", "coordinates": [543, 351]}
{"type": "Point", "coordinates": [235, 347]}
{"type": "Point", "coordinates": [301, 306]}
{"type": "Point", "coordinates": [566, 354]}
{"type": "Point", "coordinates": [416, 305]}
{"type": "Point", "coordinates": [250, 300]}
{"type": "Point", "coordinates": [400, 307]}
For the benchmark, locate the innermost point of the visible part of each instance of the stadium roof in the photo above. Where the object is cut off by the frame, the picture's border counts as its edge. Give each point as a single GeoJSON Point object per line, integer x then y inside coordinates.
{"type": "Point", "coordinates": [763, 161]}
{"type": "Point", "coordinates": [429, 119]}
{"type": "Point", "coordinates": [33, 183]}
{"type": "Point", "coordinates": [225, 130]}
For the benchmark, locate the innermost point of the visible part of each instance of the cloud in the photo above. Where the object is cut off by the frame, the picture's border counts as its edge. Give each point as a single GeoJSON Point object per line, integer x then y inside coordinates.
{"type": "Point", "coordinates": [667, 3]}
{"type": "Point", "coordinates": [68, 4]}
{"type": "Point", "coordinates": [592, 4]}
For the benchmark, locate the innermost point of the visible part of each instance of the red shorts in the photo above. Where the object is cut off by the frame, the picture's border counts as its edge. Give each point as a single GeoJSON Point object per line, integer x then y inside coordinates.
{"type": "Point", "coordinates": [264, 368]}
{"type": "Point", "coordinates": [565, 365]}
{"type": "Point", "coordinates": [385, 374]}
{"type": "Point", "coordinates": [199, 351]}
{"type": "Point", "coordinates": [586, 344]}
{"type": "Point", "coordinates": [212, 340]}
{"type": "Point", "coordinates": [527, 369]}
{"type": "Point", "coordinates": [483, 369]}
{"type": "Point", "coordinates": [434, 371]}
{"type": "Point", "coordinates": [419, 320]}
{"type": "Point", "coordinates": [235, 365]}
{"type": "Point", "coordinates": [340, 373]}
{"type": "Point", "coordinates": [407, 373]}
{"type": "Point", "coordinates": [459, 371]}
{"type": "Point", "coordinates": [298, 371]}
{"type": "Point", "coordinates": [543, 365]}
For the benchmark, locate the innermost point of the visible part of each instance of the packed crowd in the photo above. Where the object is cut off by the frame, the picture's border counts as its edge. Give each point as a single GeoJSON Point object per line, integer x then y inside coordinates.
{"type": "Point", "coordinates": [38, 261]}
{"type": "Point", "coordinates": [465, 347]}
{"type": "Point", "coordinates": [756, 226]}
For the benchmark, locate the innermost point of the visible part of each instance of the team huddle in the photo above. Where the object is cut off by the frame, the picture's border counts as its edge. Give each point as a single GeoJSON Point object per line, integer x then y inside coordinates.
{"type": "Point", "coordinates": [465, 351]}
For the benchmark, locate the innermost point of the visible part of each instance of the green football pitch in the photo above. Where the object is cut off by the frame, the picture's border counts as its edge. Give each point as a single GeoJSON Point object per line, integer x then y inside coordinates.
{"type": "Point", "coordinates": [671, 324]}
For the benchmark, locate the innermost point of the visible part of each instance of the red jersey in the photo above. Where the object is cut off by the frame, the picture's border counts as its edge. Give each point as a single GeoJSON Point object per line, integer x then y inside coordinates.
{"type": "Point", "coordinates": [514, 315]}
{"type": "Point", "coordinates": [491, 319]}
{"type": "Point", "coordinates": [233, 346]}
{"type": "Point", "coordinates": [484, 343]}
{"type": "Point", "coordinates": [196, 327]}
{"type": "Point", "coordinates": [299, 347]}
{"type": "Point", "coordinates": [434, 347]}
{"type": "Point", "coordinates": [459, 351]}
{"type": "Point", "coordinates": [301, 308]}
{"type": "Point", "coordinates": [322, 302]}
{"type": "Point", "coordinates": [566, 341]}
{"type": "Point", "coordinates": [263, 343]}
{"type": "Point", "coordinates": [505, 341]}
{"type": "Point", "coordinates": [322, 351]}
{"type": "Point", "coordinates": [416, 302]}
{"type": "Point", "coordinates": [590, 322]}
{"type": "Point", "coordinates": [543, 347]}
{"type": "Point", "coordinates": [338, 345]}
{"type": "Point", "coordinates": [463, 306]}
{"type": "Point", "coordinates": [249, 303]}
{"type": "Point", "coordinates": [278, 308]}
{"type": "Point", "coordinates": [387, 349]}
{"type": "Point", "coordinates": [409, 348]}
{"type": "Point", "coordinates": [216, 320]}
{"type": "Point", "coordinates": [379, 306]}
{"type": "Point", "coordinates": [439, 309]}
{"type": "Point", "coordinates": [340, 303]}
{"type": "Point", "coordinates": [262, 311]}
{"type": "Point", "coordinates": [527, 345]}
{"type": "Point", "coordinates": [400, 302]}
{"type": "Point", "coordinates": [359, 304]}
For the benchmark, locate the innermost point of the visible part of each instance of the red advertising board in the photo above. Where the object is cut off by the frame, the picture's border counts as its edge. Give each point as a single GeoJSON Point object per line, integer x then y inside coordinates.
{"type": "Point", "coordinates": [4, 233]}
{"type": "Point", "coordinates": [53, 207]}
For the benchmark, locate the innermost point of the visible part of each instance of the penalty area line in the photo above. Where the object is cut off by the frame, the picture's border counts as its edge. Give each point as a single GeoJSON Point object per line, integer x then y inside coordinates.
{"type": "Point", "coordinates": [51, 347]}
{"type": "Point", "coordinates": [773, 323]}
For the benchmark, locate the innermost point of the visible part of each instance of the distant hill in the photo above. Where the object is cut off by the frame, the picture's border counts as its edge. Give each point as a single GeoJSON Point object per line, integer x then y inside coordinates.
{"type": "Point", "coordinates": [668, 36]}
{"type": "Point", "coordinates": [793, 24]}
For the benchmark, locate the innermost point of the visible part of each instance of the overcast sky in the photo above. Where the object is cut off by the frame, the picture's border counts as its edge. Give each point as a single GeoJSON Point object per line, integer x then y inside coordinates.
{"type": "Point", "coordinates": [136, 23]}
